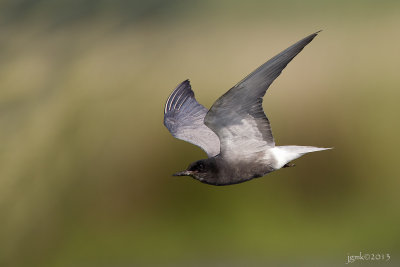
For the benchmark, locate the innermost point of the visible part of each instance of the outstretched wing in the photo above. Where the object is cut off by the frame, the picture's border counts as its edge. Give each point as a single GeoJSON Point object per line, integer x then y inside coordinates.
{"type": "Point", "coordinates": [238, 118]}
{"type": "Point", "coordinates": [184, 118]}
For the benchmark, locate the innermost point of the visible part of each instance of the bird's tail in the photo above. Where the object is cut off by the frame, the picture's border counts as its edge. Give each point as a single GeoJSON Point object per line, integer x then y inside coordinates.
{"type": "Point", "coordinates": [301, 150]}
{"type": "Point", "coordinates": [285, 154]}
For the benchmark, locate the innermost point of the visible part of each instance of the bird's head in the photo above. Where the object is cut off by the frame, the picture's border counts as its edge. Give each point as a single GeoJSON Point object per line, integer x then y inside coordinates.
{"type": "Point", "coordinates": [204, 170]}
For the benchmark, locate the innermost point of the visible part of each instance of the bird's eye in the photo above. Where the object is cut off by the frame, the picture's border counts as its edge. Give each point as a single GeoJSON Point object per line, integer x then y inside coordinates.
{"type": "Point", "coordinates": [200, 167]}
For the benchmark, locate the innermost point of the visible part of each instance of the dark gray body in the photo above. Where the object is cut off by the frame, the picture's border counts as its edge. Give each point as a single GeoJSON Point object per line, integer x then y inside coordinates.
{"type": "Point", "coordinates": [221, 172]}
{"type": "Point", "coordinates": [235, 133]}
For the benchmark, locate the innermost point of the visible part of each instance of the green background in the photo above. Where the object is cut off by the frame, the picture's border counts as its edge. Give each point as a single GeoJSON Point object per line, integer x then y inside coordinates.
{"type": "Point", "coordinates": [86, 163]}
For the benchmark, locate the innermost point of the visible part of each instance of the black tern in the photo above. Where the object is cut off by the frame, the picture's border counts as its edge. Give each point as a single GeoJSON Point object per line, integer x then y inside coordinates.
{"type": "Point", "coordinates": [235, 133]}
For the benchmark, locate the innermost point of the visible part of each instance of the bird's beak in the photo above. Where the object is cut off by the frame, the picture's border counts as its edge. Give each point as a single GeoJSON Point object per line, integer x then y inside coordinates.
{"type": "Point", "coordinates": [182, 173]}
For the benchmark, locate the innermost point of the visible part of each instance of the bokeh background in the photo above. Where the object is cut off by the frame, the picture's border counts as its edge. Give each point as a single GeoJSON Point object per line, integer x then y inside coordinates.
{"type": "Point", "coordinates": [86, 163]}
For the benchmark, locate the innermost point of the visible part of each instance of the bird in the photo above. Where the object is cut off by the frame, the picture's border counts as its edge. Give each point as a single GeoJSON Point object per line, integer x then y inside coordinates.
{"type": "Point", "coordinates": [235, 133]}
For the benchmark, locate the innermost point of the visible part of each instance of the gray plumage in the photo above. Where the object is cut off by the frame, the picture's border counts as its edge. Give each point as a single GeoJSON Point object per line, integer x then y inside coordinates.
{"type": "Point", "coordinates": [235, 133]}
{"type": "Point", "coordinates": [184, 118]}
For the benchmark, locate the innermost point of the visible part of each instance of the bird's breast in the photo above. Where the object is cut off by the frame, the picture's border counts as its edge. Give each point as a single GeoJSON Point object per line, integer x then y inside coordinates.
{"type": "Point", "coordinates": [243, 170]}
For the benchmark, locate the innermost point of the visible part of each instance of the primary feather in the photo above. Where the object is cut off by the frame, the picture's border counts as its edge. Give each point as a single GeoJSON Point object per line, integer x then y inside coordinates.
{"type": "Point", "coordinates": [184, 118]}
{"type": "Point", "coordinates": [238, 117]}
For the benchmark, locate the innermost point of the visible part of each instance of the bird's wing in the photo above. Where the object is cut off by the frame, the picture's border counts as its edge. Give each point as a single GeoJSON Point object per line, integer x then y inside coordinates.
{"type": "Point", "coordinates": [184, 118]}
{"type": "Point", "coordinates": [238, 118]}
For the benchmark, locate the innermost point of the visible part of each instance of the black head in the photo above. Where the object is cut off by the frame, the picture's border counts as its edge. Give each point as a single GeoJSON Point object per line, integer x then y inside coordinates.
{"type": "Point", "coordinates": [204, 170]}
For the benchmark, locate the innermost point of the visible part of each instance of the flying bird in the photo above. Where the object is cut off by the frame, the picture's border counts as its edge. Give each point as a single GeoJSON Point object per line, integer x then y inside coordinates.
{"type": "Point", "coordinates": [235, 133]}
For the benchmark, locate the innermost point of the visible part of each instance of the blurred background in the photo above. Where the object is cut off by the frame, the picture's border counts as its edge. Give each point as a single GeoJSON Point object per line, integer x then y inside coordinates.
{"type": "Point", "coordinates": [86, 163]}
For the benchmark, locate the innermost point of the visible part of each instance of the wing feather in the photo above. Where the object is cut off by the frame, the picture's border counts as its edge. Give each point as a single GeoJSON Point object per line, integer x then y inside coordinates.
{"type": "Point", "coordinates": [184, 118]}
{"type": "Point", "coordinates": [238, 117]}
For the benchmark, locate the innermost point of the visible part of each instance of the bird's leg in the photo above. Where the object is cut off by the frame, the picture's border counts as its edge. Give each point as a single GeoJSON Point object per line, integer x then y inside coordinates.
{"type": "Point", "coordinates": [288, 165]}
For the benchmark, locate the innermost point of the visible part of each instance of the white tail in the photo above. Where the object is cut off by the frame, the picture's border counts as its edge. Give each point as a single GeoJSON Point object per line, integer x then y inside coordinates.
{"type": "Point", "coordinates": [285, 154]}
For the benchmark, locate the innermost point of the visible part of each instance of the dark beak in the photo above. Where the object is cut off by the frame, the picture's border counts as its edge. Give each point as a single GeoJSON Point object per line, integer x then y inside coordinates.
{"type": "Point", "coordinates": [182, 173]}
